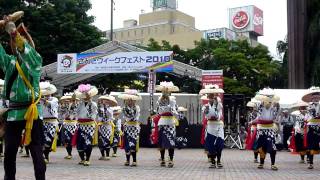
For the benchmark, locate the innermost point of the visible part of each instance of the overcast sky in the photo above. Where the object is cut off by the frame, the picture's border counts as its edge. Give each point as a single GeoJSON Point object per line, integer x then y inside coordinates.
{"type": "Point", "coordinates": [208, 14]}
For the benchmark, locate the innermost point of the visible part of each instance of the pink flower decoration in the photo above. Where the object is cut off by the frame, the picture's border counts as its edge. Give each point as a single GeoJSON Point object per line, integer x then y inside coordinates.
{"type": "Point", "coordinates": [131, 91]}
{"type": "Point", "coordinates": [84, 88]}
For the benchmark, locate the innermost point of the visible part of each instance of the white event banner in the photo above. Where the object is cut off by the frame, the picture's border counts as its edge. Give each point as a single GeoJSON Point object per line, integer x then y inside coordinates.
{"type": "Point", "coordinates": [122, 62]}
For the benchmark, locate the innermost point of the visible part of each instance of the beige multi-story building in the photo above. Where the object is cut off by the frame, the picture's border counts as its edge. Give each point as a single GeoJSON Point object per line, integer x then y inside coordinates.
{"type": "Point", "coordinates": [168, 24]}
{"type": "Point", "coordinates": [165, 22]}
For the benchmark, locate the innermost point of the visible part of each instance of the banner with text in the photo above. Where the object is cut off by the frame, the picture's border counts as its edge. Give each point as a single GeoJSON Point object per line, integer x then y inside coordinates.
{"type": "Point", "coordinates": [122, 62]}
{"type": "Point", "coordinates": [212, 77]}
{"type": "Point", "coordinates": [152, 82]}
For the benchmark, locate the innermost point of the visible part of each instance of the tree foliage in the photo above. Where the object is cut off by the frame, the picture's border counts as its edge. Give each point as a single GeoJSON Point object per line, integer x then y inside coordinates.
{"type": "Point", "coordinates": [282, 48]}
{"type": "Point", "coordinates": [56, 26]}
{"type": "Point", "coordinates": [313, 43]}
{"type": "Point", "coordinates": [246, 69]}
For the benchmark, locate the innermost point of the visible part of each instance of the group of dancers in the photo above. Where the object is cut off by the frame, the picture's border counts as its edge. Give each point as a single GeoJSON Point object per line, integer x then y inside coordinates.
{"type": "Point", "coordinates": [265, 126]}
{"type": "Point", "coordinates": [86, 123]}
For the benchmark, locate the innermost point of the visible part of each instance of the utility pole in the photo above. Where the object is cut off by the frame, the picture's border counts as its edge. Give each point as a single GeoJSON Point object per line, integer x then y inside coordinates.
{"type": "Point", "coordinates": [151, 88]}
{"type": "Point", "coordinates": [111, 25]}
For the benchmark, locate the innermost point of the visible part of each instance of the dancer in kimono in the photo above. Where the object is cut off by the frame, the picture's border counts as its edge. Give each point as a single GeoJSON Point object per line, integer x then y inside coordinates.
{"type": "Point", "coordinates": [131, 115]}
{"type": "Point", "coordinates": [312, 140]}
{"type": "Point", "coordinates": [106, 125]}
{"type": "Point", "coordinates": [267, 127]}
{"type": "Point", "coordinates": [87, 126]}
{"type": "Point", "coordinates": [286, 124]}
{"type": "Point", "coordinates": [117, 129]}
{"type": "Point", "coordinates": [68, 112]}
{"type": "Point", "coordinates": [50, 118]}
{"type": "Point", "coordinates": [213, 111]}
{"type": "Point", "coordinates": [204, 100]}
{"type": "Point", "coordinates": [182, 129]}
{"type": "Point", "coordinates": [166, 121]}
{"type": "Point", "coordinates": [298, 136]}
{"type": "Point", "coordinates": [251, 141]}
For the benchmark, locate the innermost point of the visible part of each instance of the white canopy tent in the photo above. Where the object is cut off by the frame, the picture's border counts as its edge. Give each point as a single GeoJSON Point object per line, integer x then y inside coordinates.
{"type": "Point", "coordinates": [289, 96]}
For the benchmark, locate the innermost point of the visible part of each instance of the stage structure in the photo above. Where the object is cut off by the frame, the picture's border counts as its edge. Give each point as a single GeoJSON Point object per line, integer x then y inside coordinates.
{"type": "Point", "coordinates": [234, 105]}
{"type": "Point", "coordinates": [73, 68]}
{"type": "Point", "coordinates": [112, 50]}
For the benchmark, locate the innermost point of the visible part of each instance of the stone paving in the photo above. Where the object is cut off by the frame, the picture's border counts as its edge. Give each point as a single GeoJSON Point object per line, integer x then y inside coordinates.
{"type": "Point", "coordinates": [189, 164]}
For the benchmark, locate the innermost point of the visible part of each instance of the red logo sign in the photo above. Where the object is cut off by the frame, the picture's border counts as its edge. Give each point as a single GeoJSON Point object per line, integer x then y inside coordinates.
{"type": "Point", "coordinates": [258, 21]}
{"type": "Point", "coordinates": [240, 20]}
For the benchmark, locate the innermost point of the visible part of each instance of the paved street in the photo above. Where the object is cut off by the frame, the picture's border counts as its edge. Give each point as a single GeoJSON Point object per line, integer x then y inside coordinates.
{"type": "Point", "coordinates": [189, 164]}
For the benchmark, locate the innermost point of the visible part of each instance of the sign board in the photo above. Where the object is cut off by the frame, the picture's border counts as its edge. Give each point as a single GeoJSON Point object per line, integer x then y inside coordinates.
{"type": "Point", "coordinates": [213, 34]}
{"type": "Point", "coordinates": [152, 82]}
{"type": "Point", "coordinates": [172, 4]}
{"type": "Point", "coordinates": [240, 19]}
{"type": "Point", "coordinates": [246, 19]}
{"type": "Point", "coordinates": [258, 20]}
{"type": "Point", "coordinates": [212, 77]}
{"type": "Point", "coordinates": [220, 33]}
{"type": "Point", "coordinates": [122, 62]}
{"type": "Point", "coordinates": [152, 88]}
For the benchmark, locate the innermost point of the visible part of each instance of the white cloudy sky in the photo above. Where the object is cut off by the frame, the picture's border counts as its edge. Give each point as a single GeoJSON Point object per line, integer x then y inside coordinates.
{"type": "Point", "coordinates": [208, 14]}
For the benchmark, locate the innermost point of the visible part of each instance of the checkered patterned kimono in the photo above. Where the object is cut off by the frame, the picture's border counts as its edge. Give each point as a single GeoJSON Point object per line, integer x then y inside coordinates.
{"type": "Point", "coordinates": [117, 130]}
{"type": "Point", "coordinates": [167, 136]}
{"type": "Point", "coordinates": [266, 132]}
{"type": "Point", "coordinates": [131, 128]}
{"type": "Point", "coordinates": [313, 130]}
{"type": "Point", "coordinates": [299, 134]}
{"type": "Point", "coordinates": [313, 139]}
{"type": "Point", "coordinates": [181, 132]}
{"type": "Point", "coordinates": [50, 127]}
{"type": "Point", "coordinates": [105, 116]}
{"type": "Point", "coordinates": [50, 122]}
{"type": "Point", "coordinates": [87, 113]}
{"type": "Point", "coordinates": [266, 139]}
{"type": "Point", "coordinates": [85, 135]}
{"type": "Point", "coordinates": [167, 110]}
{"type": "Point", "coordinates": [69, 129]}
{"type": "Point", "coordinates": [68, 113]}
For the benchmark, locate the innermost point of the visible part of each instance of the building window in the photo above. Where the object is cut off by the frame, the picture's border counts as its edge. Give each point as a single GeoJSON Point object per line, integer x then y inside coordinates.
{"type": "Point", "coordinates": [172, 29]}
{"type": "Point", "coordinates": [128, 33]}
{"type": "Point", "coordinates": [138, 42]}
{"type": "Point", "coordinates": [135, 33]}
{"type": "Point", "coordinates": [121, 34]}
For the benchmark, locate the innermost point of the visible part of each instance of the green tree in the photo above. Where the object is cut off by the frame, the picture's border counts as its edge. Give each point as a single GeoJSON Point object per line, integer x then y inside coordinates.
{"type": "Point", "coordinates": [282, 48]}
{"type": "Point", "coordinates": [185, 83]}
{"type": "Point", "coordinates": [313, 43]}
{"type": "Point", "coordinates": [56, 26]}
{"type": "Point", "coordinates": [246, 69]}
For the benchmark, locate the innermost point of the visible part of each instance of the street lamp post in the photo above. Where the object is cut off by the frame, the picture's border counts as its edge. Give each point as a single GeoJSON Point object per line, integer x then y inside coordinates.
{"type": "Point", "coordinates": [151, 88]}
{"type": "Point", "coordinates": [111, 25]}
